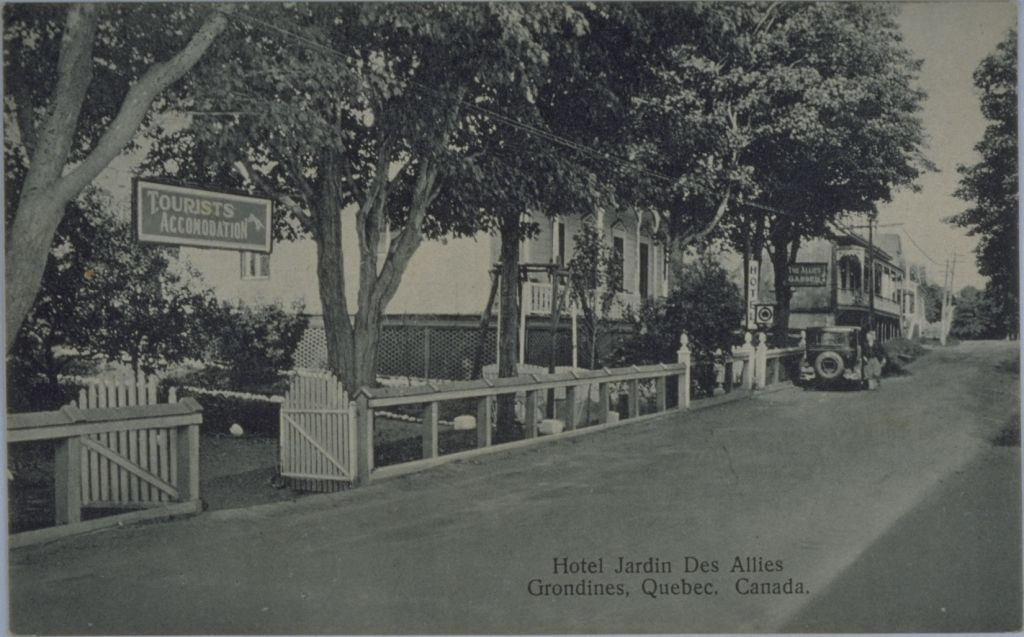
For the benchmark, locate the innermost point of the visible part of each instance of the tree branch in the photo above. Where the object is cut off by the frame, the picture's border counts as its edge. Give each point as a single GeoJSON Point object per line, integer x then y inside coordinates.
{"type": "Point", "coordinates": [138, 100]}
{"type": "Point", "coordinates": [723, 206]}
{"type": "Point", "coordinates": [74, 74]}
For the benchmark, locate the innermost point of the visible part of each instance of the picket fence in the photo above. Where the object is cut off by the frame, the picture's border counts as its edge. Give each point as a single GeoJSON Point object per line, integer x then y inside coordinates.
{"type": "Point", "coordinates": [317, 436]}
{"type": "Point", "coordinates": [127, 469]}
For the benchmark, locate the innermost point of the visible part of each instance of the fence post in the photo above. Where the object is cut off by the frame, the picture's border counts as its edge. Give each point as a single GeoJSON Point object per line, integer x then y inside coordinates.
{"type": "Point", "coordinates": [761, 361]}
{"type": "Point", "coordinates": [188, 463]}
{"type": "Point", "coordinates": [483, 422]}
{"type": "Point", "coordinates": [603, 395]}
{"type": "Point", "coordinates": [719, 359]}
{"type": "Point", "coordinates": [68, 480]}
{"type": "Point", "coordinates": [747, 349]}
{"type": "Point", "coordinates": [659, 391]}
{"type": "Point", "coordinates": [364, 439]}
{"type": "Point", "coordinates": [570, 407]}
{"type": "Point", "coordinates": [530, 413]}
{"type": "Point", "coordinates": [430, 430]}
{"type": "Point", "coordinates": [683, 358]}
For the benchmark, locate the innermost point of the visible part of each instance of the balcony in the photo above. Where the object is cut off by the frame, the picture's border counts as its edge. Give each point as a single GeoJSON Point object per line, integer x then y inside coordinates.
{"type": "Point", "coordinates": [536, 299]}
{"type": "Point", "coordinates": [858, 298]}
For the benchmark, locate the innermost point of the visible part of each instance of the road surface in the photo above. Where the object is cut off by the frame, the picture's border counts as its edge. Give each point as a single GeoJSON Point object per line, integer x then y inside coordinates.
{"type": "Point", "coordinates": [796, 511]}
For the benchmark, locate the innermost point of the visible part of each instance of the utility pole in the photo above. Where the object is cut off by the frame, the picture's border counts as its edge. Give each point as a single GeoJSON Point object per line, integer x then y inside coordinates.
{"type": "Point", "coordinates": [945, 303]}
{"type": "Point", "coordinates": [871, 274]}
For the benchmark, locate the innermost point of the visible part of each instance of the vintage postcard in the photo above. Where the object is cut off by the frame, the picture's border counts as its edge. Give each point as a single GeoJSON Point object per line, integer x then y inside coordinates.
{"type": "Point", "coordinates": [512, 318]}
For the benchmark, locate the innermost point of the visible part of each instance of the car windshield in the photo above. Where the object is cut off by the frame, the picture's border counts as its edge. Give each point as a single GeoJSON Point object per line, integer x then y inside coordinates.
{"type": "Point", "coordinates": [831, 338]}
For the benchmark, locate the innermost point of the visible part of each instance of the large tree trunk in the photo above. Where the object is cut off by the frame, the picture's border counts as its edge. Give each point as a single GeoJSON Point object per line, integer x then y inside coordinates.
{"type": "Point", "coordinates": [47, 190]}
{"type": "Point", "coordinates": [330, 272]}
{"type": "Point", "coordinates": [352, 344]}
{"type": "Point", "coordinates": [508, 346]}
{"type": "Point", "coordinates": [783, 254]}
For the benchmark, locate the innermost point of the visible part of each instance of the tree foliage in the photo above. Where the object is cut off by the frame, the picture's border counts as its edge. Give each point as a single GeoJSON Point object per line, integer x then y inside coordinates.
{"type": "Point", "coordinates": [977, 315]}
{"type": "Point", "coordinates": [776, 119]}
{"type": "Point", "coordinates": [79, 82]}
{"type": "Point", "coordinates": [991, 185]}
{"type": "Point", "coordinates": [104, 296]}
{"type": "Point", "coordinates": [359, 111]}
{"type": "Point", "coordinates": [704, 303]}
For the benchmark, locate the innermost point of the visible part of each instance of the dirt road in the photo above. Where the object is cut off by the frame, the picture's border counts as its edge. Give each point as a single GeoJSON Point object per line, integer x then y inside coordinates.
{"type": "Point", "coordinates": [780, 511]}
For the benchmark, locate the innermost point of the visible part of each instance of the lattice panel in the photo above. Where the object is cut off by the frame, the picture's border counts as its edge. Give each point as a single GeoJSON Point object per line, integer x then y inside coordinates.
{"type": "Point", "coordinates": [312, 350]}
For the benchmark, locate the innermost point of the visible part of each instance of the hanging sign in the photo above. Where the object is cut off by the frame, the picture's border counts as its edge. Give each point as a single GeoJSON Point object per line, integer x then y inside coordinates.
{"type": "Point", "coordinates": [187, 216]}
{"type": "Point", "coordinates": [808, 275]}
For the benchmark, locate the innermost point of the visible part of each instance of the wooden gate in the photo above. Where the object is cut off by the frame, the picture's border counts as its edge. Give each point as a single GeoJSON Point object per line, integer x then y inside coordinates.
{"type": "Point", "coordinates": [318, 421]}
{"type": "Point", "coordinates": [127, 469]}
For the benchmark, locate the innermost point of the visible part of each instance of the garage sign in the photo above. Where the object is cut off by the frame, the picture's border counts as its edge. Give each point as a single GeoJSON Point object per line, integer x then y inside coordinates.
{"type": "Point", "coordinates": [764, 314]}
{"type": "Point", "coordinates": [187, 216]}
{"type": "Point", "coordinates": [808, 275]}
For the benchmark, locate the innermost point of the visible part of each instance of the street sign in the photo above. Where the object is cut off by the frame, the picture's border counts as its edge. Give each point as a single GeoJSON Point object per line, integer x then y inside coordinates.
{"type": "Point", "coordinates": [764, 314]}
{"type": "Point", "coordinates": [808, 275]}
{"type": "Point", "coordinates": [186, 216]}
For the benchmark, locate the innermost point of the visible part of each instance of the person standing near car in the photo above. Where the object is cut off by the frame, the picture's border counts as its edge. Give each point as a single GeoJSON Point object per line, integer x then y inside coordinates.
{"type": "Point", "coordinates": [874, 360]}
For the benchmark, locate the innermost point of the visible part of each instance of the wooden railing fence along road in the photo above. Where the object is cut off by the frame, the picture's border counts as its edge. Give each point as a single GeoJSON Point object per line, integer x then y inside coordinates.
{"type": "Point", "coordinates": [116, 450]}
{"type": "Point", "coordinates": [753, 366]}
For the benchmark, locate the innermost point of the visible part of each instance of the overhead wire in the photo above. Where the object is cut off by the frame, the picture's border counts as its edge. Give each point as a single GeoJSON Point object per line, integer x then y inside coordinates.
{"type": "Point", "coordinates": [539, 132]}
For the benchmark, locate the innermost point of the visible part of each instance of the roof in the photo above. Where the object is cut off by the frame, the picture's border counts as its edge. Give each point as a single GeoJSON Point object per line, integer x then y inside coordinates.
{"type": "Point", "coordinates": [890, 243]}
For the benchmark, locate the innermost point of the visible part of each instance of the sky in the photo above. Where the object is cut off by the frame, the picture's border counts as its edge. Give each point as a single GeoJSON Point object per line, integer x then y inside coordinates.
{"type": "Point", "coordinates": [952, 38]}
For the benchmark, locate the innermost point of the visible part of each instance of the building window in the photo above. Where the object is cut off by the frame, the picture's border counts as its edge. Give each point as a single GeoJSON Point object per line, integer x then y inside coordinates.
{"type": "Point", "coordinates": [645, 271]}
{"type": "Point", "coordinates": [255, 265]}
{"type": "Point", "coordinates": [849, 273]}
{"type": "Point", "coordinates": [560, 243]}
{"type": "Point", "coordinates": [619, 247]}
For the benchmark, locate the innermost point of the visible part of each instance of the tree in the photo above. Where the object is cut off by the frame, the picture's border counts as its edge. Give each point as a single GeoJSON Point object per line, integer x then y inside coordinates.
{"type": "Point", "coordinates": [991, 184]}
{"type": "Point", "coordinates": [105, 295]}
{"type": "Point", "coordinates": [974, 315]}
{"type": "Point", "coordinates": [595, 276]}
{"type": "Point", "coordinates": [781, 118]}
{"type": "Point", "coordinates": [361, 110]}
{"type": "Point", "coordinates": [103, 61]}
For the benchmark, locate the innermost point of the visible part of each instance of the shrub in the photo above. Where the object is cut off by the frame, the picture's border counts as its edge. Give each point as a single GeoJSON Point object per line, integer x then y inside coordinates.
{"type": "Point", "coordinates": [256, 343]}
{"type": "Point", "coordinates": [705, 304]}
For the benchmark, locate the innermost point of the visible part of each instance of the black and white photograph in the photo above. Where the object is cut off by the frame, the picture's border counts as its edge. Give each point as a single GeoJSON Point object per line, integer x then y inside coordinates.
{"type": "Point", "coordinates": [515, 318]}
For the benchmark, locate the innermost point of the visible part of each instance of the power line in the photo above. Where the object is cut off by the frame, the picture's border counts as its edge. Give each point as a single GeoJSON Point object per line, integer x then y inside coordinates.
{"type": "Point", "coordinates": [538, 132]}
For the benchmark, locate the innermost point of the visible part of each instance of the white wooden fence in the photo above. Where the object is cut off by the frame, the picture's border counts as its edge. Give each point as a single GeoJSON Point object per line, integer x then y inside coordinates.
{"type": "Point", "coordinates": [128, 469]}
{"type": "Point", "coordinates": [317, 443]}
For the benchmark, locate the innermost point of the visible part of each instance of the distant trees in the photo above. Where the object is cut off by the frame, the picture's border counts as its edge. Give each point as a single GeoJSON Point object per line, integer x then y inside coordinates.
{"type": "Point", "coordinates": [991, 185]}
{"type": "Point", "coordinates": [977, 315]}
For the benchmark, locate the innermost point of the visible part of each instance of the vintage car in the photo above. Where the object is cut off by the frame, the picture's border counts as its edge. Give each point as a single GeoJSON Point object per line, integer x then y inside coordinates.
{"type": "Point", "coordinates": [833, 356]}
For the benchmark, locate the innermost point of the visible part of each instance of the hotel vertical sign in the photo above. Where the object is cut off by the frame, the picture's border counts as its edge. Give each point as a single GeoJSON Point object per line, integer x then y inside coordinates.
{"type": "Point", "coordinates": [186, 216]}
{"type": "Point", "coordinates": [753, 286]}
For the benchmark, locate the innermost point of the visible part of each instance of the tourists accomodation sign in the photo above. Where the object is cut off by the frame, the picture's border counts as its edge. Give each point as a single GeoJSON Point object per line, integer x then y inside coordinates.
{"type": "Point", "coordinates": [186, 216]}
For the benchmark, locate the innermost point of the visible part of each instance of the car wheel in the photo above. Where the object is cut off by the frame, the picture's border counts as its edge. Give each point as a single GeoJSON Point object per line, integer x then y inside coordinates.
{"type": "Point", "coordinates": [828, 366]}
